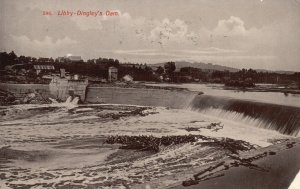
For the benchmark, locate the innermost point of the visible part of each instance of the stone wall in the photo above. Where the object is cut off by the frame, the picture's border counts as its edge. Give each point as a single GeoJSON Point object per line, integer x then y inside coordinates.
{"type": "Point", "coordinates": [113, 95]}
{"type": "Point", "coordinates": [58, 89]}
{"type": "Point", "coordinates": [62, 88]}
{"type": "Point", "coordinates": [140, 96]}
{"type": "Point", "coordinates": [19, 90]}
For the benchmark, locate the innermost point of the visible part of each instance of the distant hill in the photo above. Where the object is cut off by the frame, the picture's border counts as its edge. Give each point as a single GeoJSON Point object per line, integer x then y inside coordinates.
{"type": "Point", "coordinates": [200, 65]}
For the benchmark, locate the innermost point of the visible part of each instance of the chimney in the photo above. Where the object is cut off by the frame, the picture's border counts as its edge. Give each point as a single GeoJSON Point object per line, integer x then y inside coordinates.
{"type": "Point", "coordinates": [62, 73]}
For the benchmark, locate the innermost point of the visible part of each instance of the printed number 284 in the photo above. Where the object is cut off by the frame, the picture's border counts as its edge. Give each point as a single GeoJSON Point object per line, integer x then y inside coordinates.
{"type": "Point", "coordinates": [47, 13]}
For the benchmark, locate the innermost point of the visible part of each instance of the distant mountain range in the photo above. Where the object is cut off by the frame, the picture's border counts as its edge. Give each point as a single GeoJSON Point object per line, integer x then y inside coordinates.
{"type": "Point", "coordinates": [200, 65]}
{"type": "Point", "coordinates": [210, 66]}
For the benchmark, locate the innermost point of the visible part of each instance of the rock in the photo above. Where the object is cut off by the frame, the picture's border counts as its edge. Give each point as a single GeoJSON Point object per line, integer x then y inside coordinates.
{"type": "Point", "coordinates": [16, 102]}
{"type": "Point", "coordinates": [189, 182]}
{"type": "Point", "coordinates": [6, 98]}
{"type": "Point", "coordinates": [272, 153]}
{"type": "Point", "coordinates": [290, 145]}
{"type": "Point", "coordinates": [29, 97]}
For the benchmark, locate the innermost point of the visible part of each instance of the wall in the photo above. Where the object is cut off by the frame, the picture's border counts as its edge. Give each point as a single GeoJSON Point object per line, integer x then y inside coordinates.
{"type": "Point", "coordinates": [60, 88]}
{"type": "Point", "coordinates": [140, 96]}
{"type": "Point", "coordinates": [114, 95]}
{"type": "Point", "coordinates": [20, 90]}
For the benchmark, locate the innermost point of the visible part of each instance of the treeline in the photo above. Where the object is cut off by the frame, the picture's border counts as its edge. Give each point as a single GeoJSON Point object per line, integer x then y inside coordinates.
{"type": "Point", "coordinates": [249, 76]}
{"type": "Point", "coordinates": [92, 67]}
{"type": "Point", "coordinates": [242, 78]}
{"type": "Point", "coordinates": [142, 72]}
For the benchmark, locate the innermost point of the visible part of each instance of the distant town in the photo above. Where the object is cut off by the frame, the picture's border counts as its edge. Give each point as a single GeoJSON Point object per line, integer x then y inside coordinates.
{"type": "Point", "coordinates": [26, 69]}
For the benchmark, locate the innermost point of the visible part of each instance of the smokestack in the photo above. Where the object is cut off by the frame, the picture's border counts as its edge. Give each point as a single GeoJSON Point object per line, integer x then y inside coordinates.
{"type": "Point", "coordinates": [62, 73]}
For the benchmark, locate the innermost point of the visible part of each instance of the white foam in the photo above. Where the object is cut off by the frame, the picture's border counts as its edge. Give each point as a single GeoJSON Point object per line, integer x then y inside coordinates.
{"type": "Point", "coordinates": [69, 99]}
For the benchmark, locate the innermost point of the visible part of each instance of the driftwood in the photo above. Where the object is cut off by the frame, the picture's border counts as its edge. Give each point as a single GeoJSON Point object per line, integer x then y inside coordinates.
{"type": "Point", "coordinates": [234, 146]}
{"type": "Point", "coordinates": [150, 143]}
{"type": "Point", "coordinates": [211, 168]}
{"type": "Point", "coordinates": [205, 175]}
{"type": "Point", "coordinates": [133, 112]}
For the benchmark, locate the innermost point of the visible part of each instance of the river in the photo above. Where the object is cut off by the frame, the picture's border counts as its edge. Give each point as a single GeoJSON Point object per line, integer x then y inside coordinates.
{"type": "Point", "coordinates": [218, 90]}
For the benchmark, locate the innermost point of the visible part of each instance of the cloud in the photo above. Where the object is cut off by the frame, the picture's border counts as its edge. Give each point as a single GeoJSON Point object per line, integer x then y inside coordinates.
{"type": "Point", "coordinates": [47, 42]}
{"type": "Point", "coordinates": [167, 30]}
{"type": "Point", "coordinates": [151, 36]}
{"type": "Point", "coordinates": [232, 26]}
{"type": "Point", "coordinates": [211, 51]}
{"type": "Point", "coordinates": [41, 47]}
{"type": "Point", "coordinates": [87, 23]}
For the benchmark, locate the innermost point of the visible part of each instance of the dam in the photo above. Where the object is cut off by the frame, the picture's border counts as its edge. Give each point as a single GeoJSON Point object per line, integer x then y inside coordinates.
{"type": "Point", "coordinates": [101, 142]}
{"type": "Point", "coordinates": [282, 118]}
{"type": "Point", "coordinates": [263, 114]}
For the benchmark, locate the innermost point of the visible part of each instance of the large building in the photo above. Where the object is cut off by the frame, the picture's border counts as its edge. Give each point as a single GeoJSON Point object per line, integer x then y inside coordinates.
{"type": "Point", "coordinates": [70, 58]}
{"type": "Point", "coordinates": [39, 68]}
{"type": "Point", "coordinates": [74, 58]}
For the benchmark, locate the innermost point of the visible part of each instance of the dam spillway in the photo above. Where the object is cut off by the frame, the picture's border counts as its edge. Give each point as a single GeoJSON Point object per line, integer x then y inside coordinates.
{"type": "Point", "coordinates": [179, 99]}
{"type": "Point", "coordinates": [284, 119]}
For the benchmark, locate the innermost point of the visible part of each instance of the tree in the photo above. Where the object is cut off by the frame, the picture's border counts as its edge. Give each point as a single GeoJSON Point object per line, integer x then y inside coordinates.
{"type": "Point", "coordinates": [12, 56]}
{"type": "Point", "coordinates": [160, 70]}
{"type": "Point", "coordinates": [170, 67]}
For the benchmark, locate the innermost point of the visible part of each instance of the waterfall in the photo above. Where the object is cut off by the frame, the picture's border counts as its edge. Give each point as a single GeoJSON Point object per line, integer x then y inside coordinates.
{"type": "Point", "coordinates": [69, 99]}
{"type": "Point", "coordinates": [75, 100]}
{"type": "Point", "coordinates": [71, 102]}
{"type": "Point", "coordinates": [282, 118]}
{"type": "Point", "coordinates": [285, 119]}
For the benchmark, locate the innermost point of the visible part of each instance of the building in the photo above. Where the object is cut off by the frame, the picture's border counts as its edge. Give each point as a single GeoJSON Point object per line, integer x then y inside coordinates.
{"type": "Point", "coordinates": [39, 68]}
{"type": "Point", "coordinates": [62, 88]}
{"type": "Point", "coordinates": [60, 59]}
{"type": "Point", "coordinates": [73, 59]}
{"type": "Point", "coordinates": [129, 65]}
{"type": "Point", "coordinates": [69, 58]}
{"type": "Point", "coordinates": [112, 74]}
{"type": "Point", "coordinates": [45, 60]}
{"type": "Point", "coordinates": [127, 78]}
{"type": "Point", "coordinates": [62, 73]}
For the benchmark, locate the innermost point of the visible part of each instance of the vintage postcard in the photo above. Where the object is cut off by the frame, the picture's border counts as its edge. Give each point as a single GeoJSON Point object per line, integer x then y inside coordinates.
{"type": "Point", "coordinates": [146, 94]}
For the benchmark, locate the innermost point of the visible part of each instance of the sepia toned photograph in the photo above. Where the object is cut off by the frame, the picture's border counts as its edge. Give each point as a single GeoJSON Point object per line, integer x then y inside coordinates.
{"type": "Point", "coordinates": [147, 94]}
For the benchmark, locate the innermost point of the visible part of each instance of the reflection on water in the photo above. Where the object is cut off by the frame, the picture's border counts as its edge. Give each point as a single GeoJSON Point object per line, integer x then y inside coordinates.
{"type": "Point", "coordinates": [217, 90]}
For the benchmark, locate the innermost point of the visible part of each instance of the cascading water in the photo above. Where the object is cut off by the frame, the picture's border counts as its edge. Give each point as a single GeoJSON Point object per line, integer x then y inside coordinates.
{"type": "Point", "coordinates": [70, 102]}
{"type": "Point", "coordinates": [75, 100]}
{"type": "Point", "coordinates": [69, 99]}
{"type": "Point", "coordinates": [285, 119]}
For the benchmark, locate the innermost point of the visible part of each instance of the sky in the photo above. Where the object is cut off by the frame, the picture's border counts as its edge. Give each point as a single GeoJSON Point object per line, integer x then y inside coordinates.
{"type": "Point", "coordinates": [259, 34]}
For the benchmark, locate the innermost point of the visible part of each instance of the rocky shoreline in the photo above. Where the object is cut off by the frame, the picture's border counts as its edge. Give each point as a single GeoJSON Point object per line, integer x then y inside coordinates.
{"type": "Point", "coordinates": [7, 98]}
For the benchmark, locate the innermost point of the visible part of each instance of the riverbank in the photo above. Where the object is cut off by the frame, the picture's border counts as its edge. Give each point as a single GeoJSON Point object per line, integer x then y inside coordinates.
{"type": "Point", "coordinates": [276, 170]}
